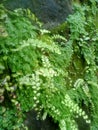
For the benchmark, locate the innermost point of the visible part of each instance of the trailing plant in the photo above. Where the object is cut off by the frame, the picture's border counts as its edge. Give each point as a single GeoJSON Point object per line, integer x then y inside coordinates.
{"type": "Point", "coordinates": [84, 35]}
{"type": "Point", "coordinates": [53, 74]}
{"type": "Point", "coordinates": [25, 56]}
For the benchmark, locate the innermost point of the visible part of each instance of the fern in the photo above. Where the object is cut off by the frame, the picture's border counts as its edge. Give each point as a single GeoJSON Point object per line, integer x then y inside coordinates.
{"type": "Point", "coordinates": [47, 72]}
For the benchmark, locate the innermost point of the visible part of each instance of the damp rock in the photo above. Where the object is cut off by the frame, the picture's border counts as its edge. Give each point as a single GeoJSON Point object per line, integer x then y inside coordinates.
{"type": "Point", "coordinates": [33, 123]}
{"type": "Point", "coordinates": [49, 12]}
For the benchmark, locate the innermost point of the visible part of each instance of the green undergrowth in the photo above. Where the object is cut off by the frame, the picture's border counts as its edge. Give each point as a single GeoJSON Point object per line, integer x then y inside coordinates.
{"type": "Point", "coordinates": [54, 74]}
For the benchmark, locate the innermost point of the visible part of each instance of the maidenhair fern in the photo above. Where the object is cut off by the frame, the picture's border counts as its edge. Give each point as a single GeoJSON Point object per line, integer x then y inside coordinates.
{"type": "Point", "coordinates": [47, 72]}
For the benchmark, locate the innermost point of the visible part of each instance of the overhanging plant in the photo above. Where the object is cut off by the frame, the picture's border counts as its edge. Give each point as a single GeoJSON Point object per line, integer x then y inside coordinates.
{"type": "Point", "coordinates": [41, 71]}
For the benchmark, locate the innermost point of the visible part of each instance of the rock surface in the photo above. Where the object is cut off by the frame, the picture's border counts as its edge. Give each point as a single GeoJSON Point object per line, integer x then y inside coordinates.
{"type": "Point", "coordinates": [33, 124]}
{"type": "Point", "coordinates": [50, 12]}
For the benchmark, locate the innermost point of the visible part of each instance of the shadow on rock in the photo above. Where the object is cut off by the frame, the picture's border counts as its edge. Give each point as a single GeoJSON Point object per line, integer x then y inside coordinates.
{"type": "Point", "coordinates": [33, 124]}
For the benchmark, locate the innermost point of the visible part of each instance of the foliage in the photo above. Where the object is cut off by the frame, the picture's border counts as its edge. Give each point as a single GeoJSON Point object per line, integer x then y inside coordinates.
{"type": "Point", "coordinates": [47, 72]}
{"type": "Point", "coordinates": [85, 37]}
